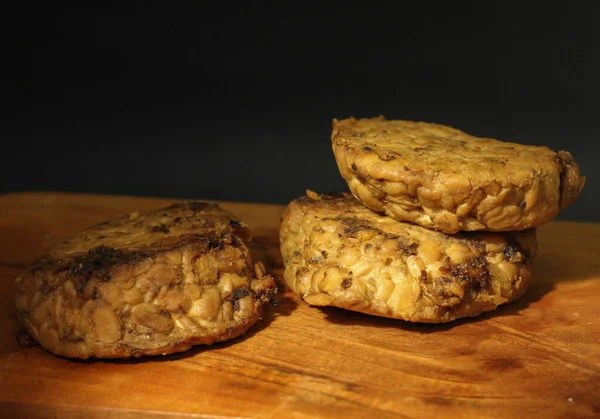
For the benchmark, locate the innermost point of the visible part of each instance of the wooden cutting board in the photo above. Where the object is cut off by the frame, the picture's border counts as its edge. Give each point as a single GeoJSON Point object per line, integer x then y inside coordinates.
{"type": "Point", "coordinates": [538, 357]}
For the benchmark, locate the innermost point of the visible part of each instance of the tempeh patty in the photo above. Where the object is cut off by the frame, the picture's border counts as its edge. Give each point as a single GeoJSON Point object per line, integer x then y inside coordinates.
{"type": "Point", "coordinates": [145, 285]}
{"type": "Point", "coordinates": [337, 252]}
{"type": "Point", "coordinates": [444, 179]}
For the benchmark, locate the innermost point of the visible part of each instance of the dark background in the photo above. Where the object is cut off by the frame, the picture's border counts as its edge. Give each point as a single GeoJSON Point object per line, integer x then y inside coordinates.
{"type": "Point", "coordinates": [234, 102]}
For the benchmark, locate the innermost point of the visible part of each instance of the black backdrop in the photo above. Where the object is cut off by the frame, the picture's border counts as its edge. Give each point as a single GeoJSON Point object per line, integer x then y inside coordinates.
{"type": "Point", "coordinates": [234, 102]}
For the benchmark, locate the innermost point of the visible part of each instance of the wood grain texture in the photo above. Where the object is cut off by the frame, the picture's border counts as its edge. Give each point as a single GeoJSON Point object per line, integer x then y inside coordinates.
{"type": "Point", "coordinates": [538, 357]}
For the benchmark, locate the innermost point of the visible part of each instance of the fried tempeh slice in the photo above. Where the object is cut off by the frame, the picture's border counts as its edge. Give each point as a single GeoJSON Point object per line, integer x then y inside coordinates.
{"type": "Point", "coordinates": [337, 252]}
{"type": "Point", "coordinates": [444, 179]}
{"type": "Point", "coordinates": [147, 284]}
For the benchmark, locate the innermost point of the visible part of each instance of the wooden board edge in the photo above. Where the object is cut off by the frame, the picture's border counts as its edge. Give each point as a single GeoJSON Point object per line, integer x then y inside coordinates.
{"type": "Point", "coordinates": [44, 411]}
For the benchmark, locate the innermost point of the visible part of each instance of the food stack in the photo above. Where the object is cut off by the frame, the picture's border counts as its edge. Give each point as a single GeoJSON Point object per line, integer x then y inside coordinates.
{"type": "Point", "coordinates": [440, 224]}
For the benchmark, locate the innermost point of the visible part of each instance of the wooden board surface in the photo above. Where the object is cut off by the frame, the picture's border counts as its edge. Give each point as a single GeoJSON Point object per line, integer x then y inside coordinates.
{"type": "Point", "coordinates": [538, 357]}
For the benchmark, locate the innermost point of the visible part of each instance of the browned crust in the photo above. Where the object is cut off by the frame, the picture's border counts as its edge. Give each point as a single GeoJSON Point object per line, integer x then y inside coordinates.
{"type": "Point", "coordinates": [571, 181]}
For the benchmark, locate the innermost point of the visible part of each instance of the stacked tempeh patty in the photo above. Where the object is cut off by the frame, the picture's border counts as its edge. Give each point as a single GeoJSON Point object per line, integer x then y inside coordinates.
{"type": "Point", "coordinates": [441, 225]}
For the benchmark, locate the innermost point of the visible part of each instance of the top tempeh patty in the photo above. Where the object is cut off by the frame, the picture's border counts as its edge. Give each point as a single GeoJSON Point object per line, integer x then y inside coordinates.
{"type": "Point", "coordinates": [442, 178]}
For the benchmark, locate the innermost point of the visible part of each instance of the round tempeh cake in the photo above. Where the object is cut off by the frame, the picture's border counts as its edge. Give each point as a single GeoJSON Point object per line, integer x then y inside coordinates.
{"type": "Point", "coordinates": [444, 179]}
{"type": "Point", "coordinates": [337, 252]}
{"type": "Point", "coordinates": [147, 284]}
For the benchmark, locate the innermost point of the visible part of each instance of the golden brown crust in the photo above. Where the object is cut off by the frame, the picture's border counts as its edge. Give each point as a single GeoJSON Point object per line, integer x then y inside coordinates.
{"type": "Point", "coordinates": [571, 181]}
{"type": "Point", "coordinates": [337, 252]}
{"type": "Point", "coordinates": [442, 178]}
{"type": "Point", "coordinates": [145, 285]}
